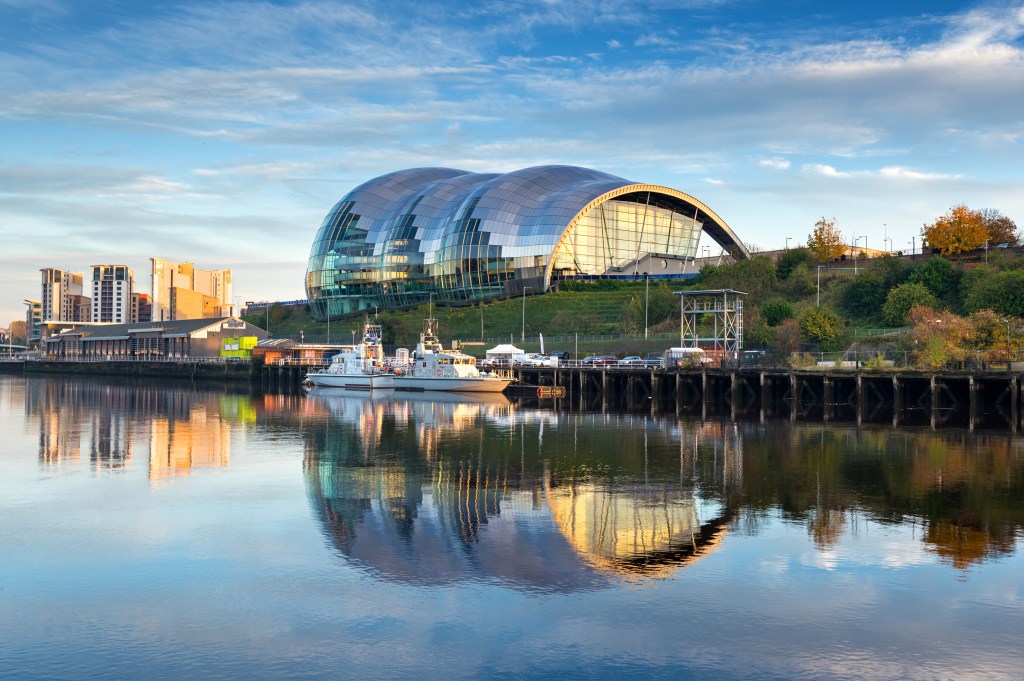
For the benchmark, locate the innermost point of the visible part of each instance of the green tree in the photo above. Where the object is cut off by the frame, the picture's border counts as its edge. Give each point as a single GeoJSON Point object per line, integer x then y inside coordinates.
{"type": "Point", "coordinates": [936, 275]}
{"type": "Point", "coordinates": [891, 270]}
{"type": "Point", "coordinates": [776, 311]}
{"type": "Point", "coordinates": [802, 281]}
{"type": "Point", "coordinates": [999, 291]}
{"type": "Point", "coordinates": [826, 241]}
{"type": "Point", "coordinates": [823, 326]}
{"type": "Point", "coordinates": [864, 296]}
{"type": "Point", "coordinates": [754, 276]}
{"type": "Point", "coordinates": [790, 258]}
{"type": "Point", "coordinates": [904, 297]}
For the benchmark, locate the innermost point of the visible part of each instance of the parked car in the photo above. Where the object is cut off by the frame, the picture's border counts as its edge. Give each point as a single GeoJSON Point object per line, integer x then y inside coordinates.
{"type": "Point", "coordinates": [538, 360]}
{"type": "Point", "coordinates": [654, 362]}
{"type": "Point", "coordinates": [631, 361]}
{"type": "Point", "coordinates": [598, 360]}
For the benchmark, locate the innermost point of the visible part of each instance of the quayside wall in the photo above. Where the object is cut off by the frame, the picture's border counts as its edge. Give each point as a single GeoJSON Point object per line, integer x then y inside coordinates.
{"type": "Point", "coordinates": [985, 399]}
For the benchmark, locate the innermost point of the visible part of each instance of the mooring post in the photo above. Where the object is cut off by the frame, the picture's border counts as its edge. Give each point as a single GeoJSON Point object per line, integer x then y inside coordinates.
{"type": "Point", "coordinates": [1014, 397]}
{"type": "Point", "coordinates": [859, 396]}
{"type": "Point", "coordinates": [792, 395]}
{"type": "Point", "coordinates": [827, 396]}
{"type": "Point", "coordinates": [734, 394]}
{"type": "Point", "coordinates": [934, 399]}
{"type": "Point", "coordinates": [897, 400]}
{"type": "Point", "coordinates": [703, 393]}
{"type": "Point", "coordinates": [763, 396]}
{"type": "Point", "coordinates": [973, 401]}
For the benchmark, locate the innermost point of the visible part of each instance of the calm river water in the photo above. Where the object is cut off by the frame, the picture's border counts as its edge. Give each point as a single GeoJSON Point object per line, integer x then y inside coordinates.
{"type": "Point", "coordinates": [166, 532]}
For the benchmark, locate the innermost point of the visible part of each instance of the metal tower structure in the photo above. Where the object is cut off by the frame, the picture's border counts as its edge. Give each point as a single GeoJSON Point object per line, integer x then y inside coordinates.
{"type": "Point", "coordinates": [712, 320]}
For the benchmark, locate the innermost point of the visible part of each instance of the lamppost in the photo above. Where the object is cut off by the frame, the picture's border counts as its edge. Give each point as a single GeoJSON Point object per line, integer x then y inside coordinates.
{"type": "Point", "coordinates": [787, 242]}
{"type": "Point", "coordinates": [353, 337]}
{"type": "Point", "coordinates": [817, 302]}
{"type": "Point", "coordinates": [913, 245]}
{"type": "Point", "coordinates": [522, 334]}
{"type": "Point", "coordinates": [647, 296]}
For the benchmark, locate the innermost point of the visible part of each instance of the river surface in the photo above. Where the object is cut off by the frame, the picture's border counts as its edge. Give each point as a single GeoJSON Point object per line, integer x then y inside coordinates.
{"type": "Point", "coordinates": [169, 531]}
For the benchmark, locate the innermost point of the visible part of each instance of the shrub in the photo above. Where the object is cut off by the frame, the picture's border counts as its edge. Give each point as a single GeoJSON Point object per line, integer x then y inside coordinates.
{"type": "Point", "coordinates": [776, 310]}
{"type": "Point", "coordinates": [999, 291]}
{"type": "Point", "coordinates": [936, 275]}
{"type": "Point", "coordinates": [791, 259]}
{"type": "Point", "coordinates": [902, 298]}
{"type": "Point", "coordinates": [864, 296]}
{"type": "Point", "coordinates": [823, 326]}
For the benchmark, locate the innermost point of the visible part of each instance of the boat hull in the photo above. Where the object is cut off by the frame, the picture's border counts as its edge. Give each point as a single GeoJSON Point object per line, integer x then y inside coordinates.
{"type": "Point", "coordinates": [352, 381]}
{"type": "Point", "coordinates": [464, 384]}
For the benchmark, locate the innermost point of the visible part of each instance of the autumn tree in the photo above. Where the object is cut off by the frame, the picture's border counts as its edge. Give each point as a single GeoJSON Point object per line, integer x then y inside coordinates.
{"type": "Point", "coordinates": [960, 229]}
{"type": "Point", "coordinates": [1001, 229]}
{"type": "Point", "coordinates": [18, 335]}
{"type": "Point", "coordinates": [826, 241]}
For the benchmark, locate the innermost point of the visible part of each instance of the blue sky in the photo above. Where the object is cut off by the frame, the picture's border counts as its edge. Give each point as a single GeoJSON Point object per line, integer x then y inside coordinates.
{"type": "Point", "coordinates": [222, 132]}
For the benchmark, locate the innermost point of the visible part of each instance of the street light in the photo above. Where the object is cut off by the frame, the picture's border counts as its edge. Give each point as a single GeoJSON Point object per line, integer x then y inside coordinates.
{"type": "Point", "coordinates": [787, 242]}
{"type": "Point", "coordinates": [522, 334]}
{"type": "Point", "coordinates": [817, 302]}
{"type": "Point", "coordinates": [647, 296]}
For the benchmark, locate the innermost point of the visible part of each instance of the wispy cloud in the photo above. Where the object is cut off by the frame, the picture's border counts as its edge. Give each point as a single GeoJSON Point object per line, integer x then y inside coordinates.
{"type": "Point", "coordinates": [774, 163]}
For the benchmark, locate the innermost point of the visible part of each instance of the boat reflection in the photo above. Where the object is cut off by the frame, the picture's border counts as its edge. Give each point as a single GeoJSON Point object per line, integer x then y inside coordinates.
{"type": "Point", "coordinates": [427, 490]}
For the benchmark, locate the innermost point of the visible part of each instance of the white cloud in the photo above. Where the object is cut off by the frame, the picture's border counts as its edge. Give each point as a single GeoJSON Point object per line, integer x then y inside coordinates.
{"type": "Point", "coordinates": [614, 44]}
{"type": "Point", "coordinates": [823, 169]}
{"type": "Point", "coordinates": [775, 163]}
{"type": "Point", "coordinates": [898, 172]}
{"type": "Point", "coordinates": [711, 180]}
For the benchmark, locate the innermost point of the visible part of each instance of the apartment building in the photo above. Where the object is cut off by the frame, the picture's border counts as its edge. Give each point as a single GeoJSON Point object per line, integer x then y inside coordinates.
{"type": "Point", "coordinates": [63, 298]}
{"type": "Point", "coordinates": [112, 289]}
{"type": "Point", "coordinates": [184, 291]}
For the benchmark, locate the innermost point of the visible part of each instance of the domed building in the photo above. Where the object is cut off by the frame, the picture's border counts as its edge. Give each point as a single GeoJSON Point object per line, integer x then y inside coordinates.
{"type": "Point", "coordinates": [403, 237]}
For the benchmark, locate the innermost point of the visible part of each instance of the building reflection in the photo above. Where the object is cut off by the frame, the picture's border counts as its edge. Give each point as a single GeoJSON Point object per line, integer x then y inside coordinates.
{"type": "Point", "coordinates": [439, 489]}
{"type": "Point", "coordinates": [172, 427]}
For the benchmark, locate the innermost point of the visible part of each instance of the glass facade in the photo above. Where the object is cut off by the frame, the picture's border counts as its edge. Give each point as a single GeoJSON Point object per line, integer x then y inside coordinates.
{"type": "Point", "coordinates": [400, 238]}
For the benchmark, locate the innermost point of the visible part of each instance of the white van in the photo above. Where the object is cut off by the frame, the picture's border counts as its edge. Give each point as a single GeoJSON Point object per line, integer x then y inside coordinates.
{"type": "Point", "coordinates": [683, 357]}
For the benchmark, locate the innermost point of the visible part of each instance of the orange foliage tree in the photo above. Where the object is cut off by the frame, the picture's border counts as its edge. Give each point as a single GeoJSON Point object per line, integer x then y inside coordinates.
{"type": "Point", "coordinates": [960, 229]}
{"type": "Point", "coordinates": [826, 241]}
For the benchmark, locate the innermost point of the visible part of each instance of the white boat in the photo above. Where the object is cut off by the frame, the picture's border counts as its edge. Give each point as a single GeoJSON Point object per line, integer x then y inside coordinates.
{"type": "Point", "coordinates": [360, 368]}
{"type": "Point", "coordinates": [432, 367]}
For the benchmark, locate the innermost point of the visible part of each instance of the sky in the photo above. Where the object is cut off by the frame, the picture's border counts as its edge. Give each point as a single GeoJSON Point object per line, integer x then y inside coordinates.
{"type": "Point", "coordinates": [221, 133]}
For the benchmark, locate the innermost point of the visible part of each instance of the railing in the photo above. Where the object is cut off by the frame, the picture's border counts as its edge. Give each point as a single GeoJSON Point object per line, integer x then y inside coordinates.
{"type": "Point", "coordinates": [299, 361]}
{"type": "Point", "coordinates": [141, 358]}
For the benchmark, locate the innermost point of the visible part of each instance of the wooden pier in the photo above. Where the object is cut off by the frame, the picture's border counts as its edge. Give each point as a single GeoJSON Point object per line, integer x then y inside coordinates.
{"type": "Point", "coordinates": [985, 399]}
{"type": "Point", "coordinates": [959, 399]}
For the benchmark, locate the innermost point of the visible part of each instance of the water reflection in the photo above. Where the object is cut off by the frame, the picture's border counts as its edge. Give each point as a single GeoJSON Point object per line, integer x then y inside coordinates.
{"type": "Point", "coordinates": [439, 489]}
{"type": "Point", "coordinates": [421, 490]}
{"type": "Point", "coordinates": [171, 427]}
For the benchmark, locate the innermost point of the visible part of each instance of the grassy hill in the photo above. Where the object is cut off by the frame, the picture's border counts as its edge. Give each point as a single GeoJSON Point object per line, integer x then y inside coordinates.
{"type": "Point", "coordinates": [614, 311]}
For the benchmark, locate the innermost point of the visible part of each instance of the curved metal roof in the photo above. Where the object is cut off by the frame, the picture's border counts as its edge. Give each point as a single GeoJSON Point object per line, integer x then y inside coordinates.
{"type": "Point", "coordinates": [538, 202]}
